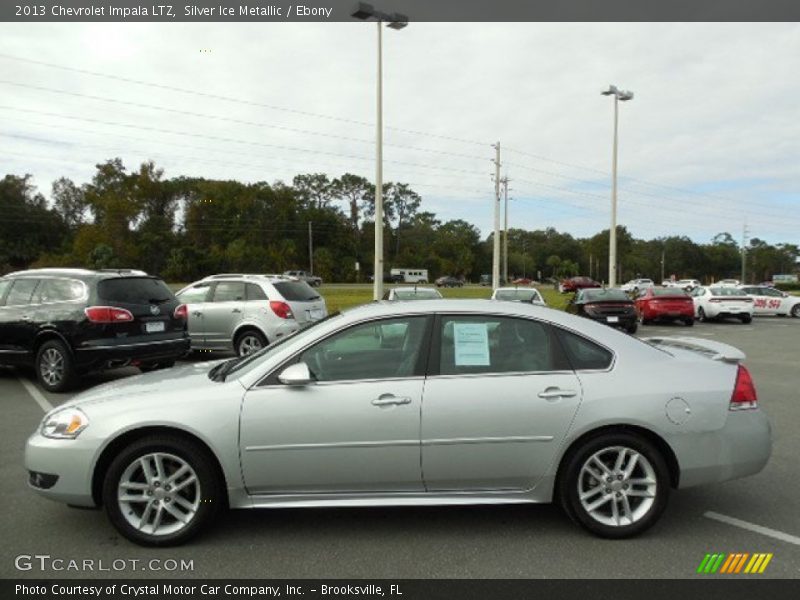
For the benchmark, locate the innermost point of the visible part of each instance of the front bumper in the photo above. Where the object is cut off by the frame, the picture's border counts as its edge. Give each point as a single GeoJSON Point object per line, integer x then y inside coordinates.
{"type": "Point", "coordinates": [740, 448]}
{"type": "Point", "coordinates": [70, 461]}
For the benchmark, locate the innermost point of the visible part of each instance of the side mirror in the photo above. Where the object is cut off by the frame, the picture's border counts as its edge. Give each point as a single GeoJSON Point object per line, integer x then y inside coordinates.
{"type": "Point", "coordinates": [296, 374]}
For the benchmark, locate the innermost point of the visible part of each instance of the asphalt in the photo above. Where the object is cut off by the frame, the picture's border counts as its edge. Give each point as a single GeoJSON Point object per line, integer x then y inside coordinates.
{"type": "Point", "coordinates": [447, 542]}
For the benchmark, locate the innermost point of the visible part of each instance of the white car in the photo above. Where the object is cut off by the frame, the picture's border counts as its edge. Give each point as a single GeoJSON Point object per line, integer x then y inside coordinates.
{"type": "Point", "coordinates": [728, 283]}
{"type": "Point", "coordinates": [247, 312]}
{"type": "Point", "coordinates": [516, 294]}
{"type": "Point", "coordinates": [412, 293]}
{"type": "Point", "coordinates": [635, 285]}
{"type": "Point", "coordinates": [685, 284]}
{"type": "Point", "coordinates": [721, 302]}
{"type": "Point", "coordinates": [769, 301]}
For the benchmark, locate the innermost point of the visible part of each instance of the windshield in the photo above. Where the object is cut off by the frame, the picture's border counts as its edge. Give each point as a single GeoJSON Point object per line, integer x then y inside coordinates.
{"type": "Point", "coordinates": [517, 295]}
{"type": "Point", "coordinates": [242, 364]}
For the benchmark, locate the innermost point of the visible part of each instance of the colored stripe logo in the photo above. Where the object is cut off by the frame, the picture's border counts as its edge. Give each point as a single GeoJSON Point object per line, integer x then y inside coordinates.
{"type": "Point", "coordinates": [734, 563]}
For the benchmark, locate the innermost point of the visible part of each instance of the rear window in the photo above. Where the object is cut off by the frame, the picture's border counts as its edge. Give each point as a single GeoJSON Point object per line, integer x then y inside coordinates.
{"type": "Point", "coordinates": [669, 292]}
{"type": "Point", "coordinates": [417, 294]}
{"type": "Point", "coordinates": [297, 291]}
{"type": "Point", "coordinates": [134, 290]}
{"type": "Point", "coordinates": [517, 295]}
{"type": "Point", "coordinates": [726, 292]}
{"type": "Point", "coordinates": [595, 295]}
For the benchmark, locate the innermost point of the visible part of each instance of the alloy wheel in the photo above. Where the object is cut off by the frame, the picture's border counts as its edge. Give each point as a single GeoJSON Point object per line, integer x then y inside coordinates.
{"type": "Point", "coordinates": [159, 494]}
{"type": "Point", "coordinates": [51, 366]}
{"type": "Point", "coordinates": [249, 344]}
{"type": "Point", "coordinates": [617, 486]}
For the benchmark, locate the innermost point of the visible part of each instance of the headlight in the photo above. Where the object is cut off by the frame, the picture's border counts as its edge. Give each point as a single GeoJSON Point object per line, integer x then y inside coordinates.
{"type": "Point", "coordinates": [64, 424]}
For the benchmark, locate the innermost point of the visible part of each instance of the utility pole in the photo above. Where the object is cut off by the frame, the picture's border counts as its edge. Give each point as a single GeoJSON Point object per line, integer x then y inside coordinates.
{"type": "Point", "coordinates": [310, 250]}
{"type": "Point", "coordinates": [496, 237]}
{"type": "Point", "coordinates": [505, 181]}
{"type": "Point", "coordinates": [524, 258]}
{"type": "Point", "coordinates": [745, 233]}
{"type": "Point", "coordinates": [663, 256]}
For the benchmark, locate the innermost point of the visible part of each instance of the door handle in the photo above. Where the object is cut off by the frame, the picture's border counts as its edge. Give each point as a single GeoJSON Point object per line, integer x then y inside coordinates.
{"type": "Point", "coordinates": [26, 318]}
{"type": "Point", "coordinates": [197, 313]}
{"type": "Point", "coordinates": [388, 400]}
{"type": "Point", "coordinates": [557, 393]}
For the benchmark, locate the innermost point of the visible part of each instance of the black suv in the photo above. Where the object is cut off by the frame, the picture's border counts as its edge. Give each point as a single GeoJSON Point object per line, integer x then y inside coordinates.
{"type": "Point", "coordinates": [67, 322]}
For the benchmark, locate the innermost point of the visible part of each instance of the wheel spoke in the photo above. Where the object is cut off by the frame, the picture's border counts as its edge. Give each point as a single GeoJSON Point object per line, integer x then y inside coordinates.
{"type": "Point", "coordinates": [598, 503]}
{"type": "Point", "coordinates": [179, 486]}
{"type": "Point", "coordinates": [133, 485]}
{"type": "Point", "coordinates": [157, 519]}
{"type": "Point", "coordinates": [599, 463]}
{"type": "Point", "coordinates": [614, 510]}
{"type": "Point", "coordinates": [159, 461]}
{"type": "Point", "coordinates": [148, 510]}
{"type": "Point", "coordinates": [182, 517]}
{"type": "Point", "coordinates": [148, 472]}
{"type": "Point", "coordinates": [641, 493]}
{"type": "Point", "coordinates": [631, 465]}
{"type": "Point", "coordinates": [620, 459]}
{"type": "Point", "coordinates": [178, 474]}
{"type": "Point", "coordinates": [626, 509]}
{"type": "Point", "coordinates": [642, 481]}
{"type": "Point", "coordinates": [592, 492]}
{"type": "Point", "coordinates": [134, 498]}
{"type": "Point", "coordinates": [185, 504]}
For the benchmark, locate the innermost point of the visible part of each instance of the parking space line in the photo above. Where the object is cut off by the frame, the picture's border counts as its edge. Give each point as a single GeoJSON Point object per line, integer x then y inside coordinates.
{"type": "Point", "coordinates": [36, 395]}
{"type": "Point", "coordinates": [773, 533]}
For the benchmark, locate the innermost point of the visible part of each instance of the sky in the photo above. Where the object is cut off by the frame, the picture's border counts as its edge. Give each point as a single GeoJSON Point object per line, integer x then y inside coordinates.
{"type": "Point", "coordinates": [709, 143]}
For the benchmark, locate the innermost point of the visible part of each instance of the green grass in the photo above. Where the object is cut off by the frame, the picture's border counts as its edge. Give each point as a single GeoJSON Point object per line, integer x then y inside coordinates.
{"type": "Point", "coordinates": [341, 296]}
{"type": "Point", "coordinates": [344, 296]}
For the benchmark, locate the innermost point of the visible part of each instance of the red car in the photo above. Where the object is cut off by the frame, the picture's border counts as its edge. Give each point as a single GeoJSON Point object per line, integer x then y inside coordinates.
{"type": "Point", "coordinates": [523, 281]}
{"type": "Point", "coordinates": [573, 284]}
{"type": "Point", "coordinates": [665, 303]}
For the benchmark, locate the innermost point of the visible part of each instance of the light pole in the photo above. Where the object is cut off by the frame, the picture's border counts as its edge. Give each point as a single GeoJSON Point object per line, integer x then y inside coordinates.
{"type": "Point", "coordinates": [367, 12]}
{"type": "Point", "coordinates": [612, 238]}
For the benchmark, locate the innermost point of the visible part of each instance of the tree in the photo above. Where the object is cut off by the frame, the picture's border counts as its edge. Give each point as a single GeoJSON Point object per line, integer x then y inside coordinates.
{"type": "Point", "coordinates": [314, 190]}
{"type": "Point", "coordinates": [70, 202]}
{"type": "Point", "coordinates": [404, 203]}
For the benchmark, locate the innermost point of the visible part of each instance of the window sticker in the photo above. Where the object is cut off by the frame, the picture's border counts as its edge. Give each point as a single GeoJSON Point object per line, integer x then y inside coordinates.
{"type": "Point", "coordinates": [471, 341]}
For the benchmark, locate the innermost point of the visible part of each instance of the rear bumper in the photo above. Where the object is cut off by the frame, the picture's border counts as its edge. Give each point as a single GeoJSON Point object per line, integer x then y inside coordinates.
{"type": "Point", "coordinates": [741, 448]}
{"type": "Point", "coordinates": [100, 354]}
{"type": "Point", "coordinates": [624, 320]}
{"type": "Point", "coordinates": [682, 313]}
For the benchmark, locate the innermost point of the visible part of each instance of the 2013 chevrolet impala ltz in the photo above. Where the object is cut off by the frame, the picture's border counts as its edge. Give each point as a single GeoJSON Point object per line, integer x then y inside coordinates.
{"type": "Point", "coordinates": [412, 403]}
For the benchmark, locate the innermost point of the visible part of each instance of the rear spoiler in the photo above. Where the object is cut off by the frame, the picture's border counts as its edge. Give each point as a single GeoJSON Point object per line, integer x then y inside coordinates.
{"type": "Point", "coordinates": [709, 348]}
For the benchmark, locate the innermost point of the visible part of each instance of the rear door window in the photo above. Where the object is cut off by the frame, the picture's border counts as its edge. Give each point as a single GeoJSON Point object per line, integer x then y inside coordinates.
{"type": "Point", "coordinates": [584, 354]}
{"type": "Point", "coordinates": [254, 292]}
{"type": "Point", "coordinates": [21, 292]}
{"type": "Point", "coordinates": [296, 291]}
{"type": "Point", "coordinates": [4, 286]}
{"type": "Point", "coordinates": [134, 290]}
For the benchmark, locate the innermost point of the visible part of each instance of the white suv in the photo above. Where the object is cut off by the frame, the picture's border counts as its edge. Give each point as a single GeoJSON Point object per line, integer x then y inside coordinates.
{"type": "Point", "coordinates": [247, 312]}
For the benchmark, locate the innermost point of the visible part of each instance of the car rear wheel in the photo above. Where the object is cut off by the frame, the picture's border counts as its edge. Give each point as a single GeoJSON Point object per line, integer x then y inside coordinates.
{"type": "Point", "coordinates": [689, 322]}
{"type": "Point", "coordinates": [161, 491]}
{"type": "Point", "coordinates": [701, 314]}
{"type": "Point", "coordinates": [615, 485]}
{"type": "Point", "coordinates": [55, 368]}
{"type": "Point", "coordinates": [249, 341]}
{"type": "Point", "coordinates": [147, 367]}
{"type": "Point", "coordinates": [796, 311]}
{"type": "Point", "coordinates": [746, 319]}
{"type": "Point", "coordinates": [632, 328]}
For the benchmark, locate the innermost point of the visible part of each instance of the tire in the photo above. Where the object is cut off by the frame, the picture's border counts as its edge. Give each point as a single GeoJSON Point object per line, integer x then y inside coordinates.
{"type": "Point", "coordinates": [197, 503]}
{"type": "Point", "coordinates": [648, 498]}
{"type": "Point", "coordinates": [701, 315]}
{"type": "Point", "coordinates": [796, 311]}
{"type": "Point", "coordinates": [746, 319]}
{"type": "Point", "coordinates": [148, 367]}
{"type": "Point", "coordinates": [55, 368]}
{"type": "Point", "coordinates": [689, 322]}
{"type": "Point", "coordinates": [632, 328]}
{"type": "Point", "coordinates": [248, 341]}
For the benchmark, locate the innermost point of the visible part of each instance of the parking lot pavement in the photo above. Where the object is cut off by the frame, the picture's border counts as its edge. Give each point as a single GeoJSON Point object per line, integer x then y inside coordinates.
{"type": "Point", "coordinates": [497, 542]}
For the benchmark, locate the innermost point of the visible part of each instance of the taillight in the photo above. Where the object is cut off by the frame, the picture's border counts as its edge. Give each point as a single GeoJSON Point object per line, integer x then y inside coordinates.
{"type": "Point", "coordinates": [283, 310]}
{"type": "Point", "coordinates": [744, 392]}
{"type": "Point", "coordinates": [181, 312]}
{"type": "Point", "coordinates": [107, 314]}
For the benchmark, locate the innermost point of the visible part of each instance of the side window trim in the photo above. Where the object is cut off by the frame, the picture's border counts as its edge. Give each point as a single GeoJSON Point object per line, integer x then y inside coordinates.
{"type": "Point", "coordinates": [271, 378]}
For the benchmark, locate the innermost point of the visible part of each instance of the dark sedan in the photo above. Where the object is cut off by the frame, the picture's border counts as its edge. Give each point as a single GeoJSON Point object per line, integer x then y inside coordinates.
{"type": "Point", "coordinates": [449, 281]}
{"type": "Point", "coordinates": [610, 306]}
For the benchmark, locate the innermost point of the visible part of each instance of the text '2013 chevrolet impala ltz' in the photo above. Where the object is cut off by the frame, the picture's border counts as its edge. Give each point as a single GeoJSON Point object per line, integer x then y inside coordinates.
{"type": "Point", "coordinates": [436, 402]}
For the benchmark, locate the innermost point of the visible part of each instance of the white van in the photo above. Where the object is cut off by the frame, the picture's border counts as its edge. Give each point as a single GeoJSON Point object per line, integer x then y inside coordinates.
{"type": "Point", "coordinates": [410, 275]}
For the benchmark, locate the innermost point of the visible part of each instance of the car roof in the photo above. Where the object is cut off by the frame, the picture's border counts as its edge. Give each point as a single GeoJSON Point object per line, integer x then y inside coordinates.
{"type": "Point", "coordinates": [79, 273]}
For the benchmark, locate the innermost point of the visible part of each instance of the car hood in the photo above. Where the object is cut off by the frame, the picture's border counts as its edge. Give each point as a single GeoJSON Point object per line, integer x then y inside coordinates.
{"type": "Point", "coordinates": [183, 378]}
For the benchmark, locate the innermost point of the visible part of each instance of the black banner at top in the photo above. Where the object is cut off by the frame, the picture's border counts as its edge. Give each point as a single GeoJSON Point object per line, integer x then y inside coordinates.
{"type": "Point", "coordinates": [222, 11]}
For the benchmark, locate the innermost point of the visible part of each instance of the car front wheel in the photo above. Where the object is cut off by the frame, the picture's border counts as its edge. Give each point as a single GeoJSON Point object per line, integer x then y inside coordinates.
{"type": "Point", "coordinates": [615, 485]}
{"type": "Point", "coordinates": [161, 491]}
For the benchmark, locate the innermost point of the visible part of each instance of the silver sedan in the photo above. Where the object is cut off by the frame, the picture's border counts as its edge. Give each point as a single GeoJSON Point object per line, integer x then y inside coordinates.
{"type": "Point", "coordinates": [421, 403]}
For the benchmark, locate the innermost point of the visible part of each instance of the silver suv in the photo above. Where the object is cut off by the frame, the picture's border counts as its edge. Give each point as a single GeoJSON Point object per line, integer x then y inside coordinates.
{"type": "Point", "coordinates": [246, 312]}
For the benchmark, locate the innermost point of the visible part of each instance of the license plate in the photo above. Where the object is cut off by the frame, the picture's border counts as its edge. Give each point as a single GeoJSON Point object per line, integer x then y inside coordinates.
{"type": "Point", "coordinates": [612, 319]}
{"type": "Point", "coordinates": [315, 313]}
{"type": "Point", "coordinates": [154, 326]}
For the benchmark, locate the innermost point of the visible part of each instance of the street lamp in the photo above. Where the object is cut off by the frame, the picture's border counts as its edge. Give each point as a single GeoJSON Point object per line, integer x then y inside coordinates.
{"type": "Point", "coordinates": [366, 12]}
{"type": "Point", "coordinates": [619, 95]}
